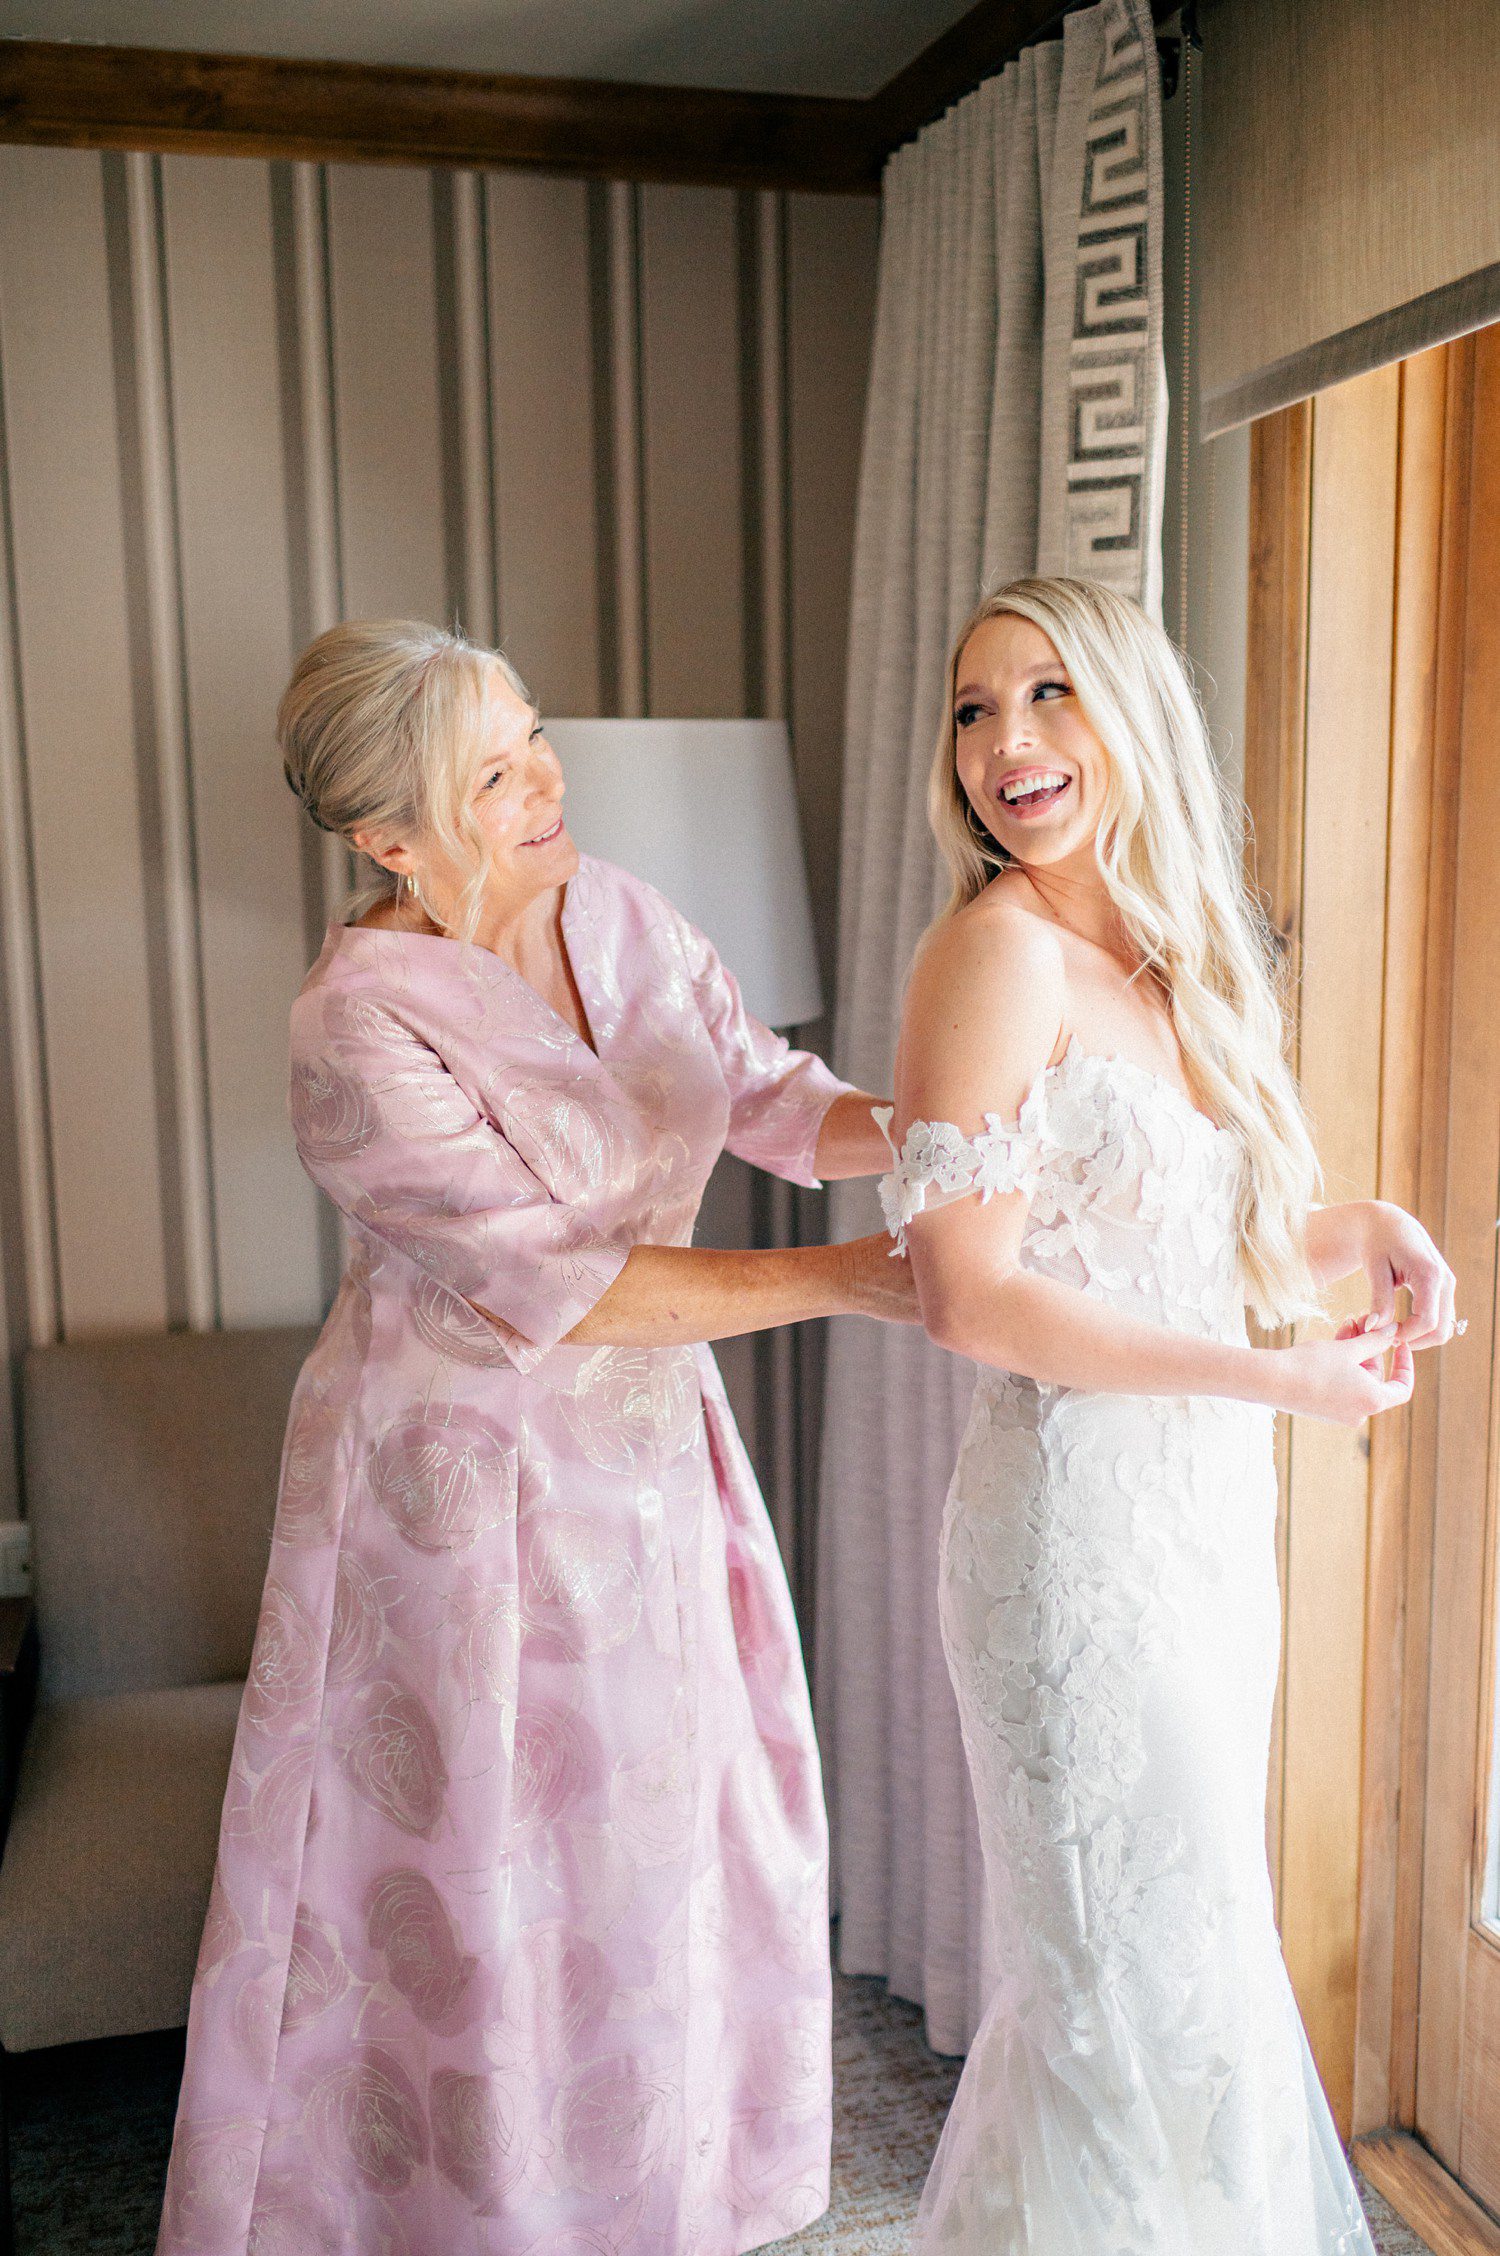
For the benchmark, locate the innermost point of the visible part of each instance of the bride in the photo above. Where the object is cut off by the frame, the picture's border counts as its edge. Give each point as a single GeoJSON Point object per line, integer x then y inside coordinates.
{"type": "Point", "coordinates": [1103, 1160]}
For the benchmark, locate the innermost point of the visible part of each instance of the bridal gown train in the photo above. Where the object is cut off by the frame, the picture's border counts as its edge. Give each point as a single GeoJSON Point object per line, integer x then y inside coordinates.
{"type": "Point", "coordinates": [1141, 2084]}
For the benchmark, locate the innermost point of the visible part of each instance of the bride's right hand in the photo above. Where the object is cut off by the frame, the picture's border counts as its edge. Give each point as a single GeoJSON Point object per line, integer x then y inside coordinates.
{"type": "Point", "coordinates": [878, 1284]}
{"type": "Point", "coordinates": [1343, 1379]}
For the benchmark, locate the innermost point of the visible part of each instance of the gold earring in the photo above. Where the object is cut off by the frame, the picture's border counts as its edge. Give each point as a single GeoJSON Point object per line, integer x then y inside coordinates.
{"type": "Point", "coordinates": [417, 902]}
{"type": "Point", "coordinates": [989, 846]}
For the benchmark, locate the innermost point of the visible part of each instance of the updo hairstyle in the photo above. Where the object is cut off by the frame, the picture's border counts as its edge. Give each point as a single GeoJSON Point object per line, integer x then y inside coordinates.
{"type": "Point", "coordinates": [380, 730]}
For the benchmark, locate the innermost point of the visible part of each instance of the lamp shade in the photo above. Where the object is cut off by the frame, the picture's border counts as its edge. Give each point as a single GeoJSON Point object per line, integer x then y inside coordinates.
{"type": "Point", "coordinates": [706, 811]}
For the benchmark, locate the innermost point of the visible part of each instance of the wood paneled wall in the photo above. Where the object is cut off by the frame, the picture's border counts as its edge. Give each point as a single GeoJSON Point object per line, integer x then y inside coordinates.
{"type": "Point", "coordinates": [616, 428]}
{"type": "Point", "coordinates": [1344, 784]}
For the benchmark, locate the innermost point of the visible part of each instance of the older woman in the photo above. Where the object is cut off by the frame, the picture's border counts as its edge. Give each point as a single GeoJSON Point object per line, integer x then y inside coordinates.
{"type": "Point", "coordinates": [518, 1936]}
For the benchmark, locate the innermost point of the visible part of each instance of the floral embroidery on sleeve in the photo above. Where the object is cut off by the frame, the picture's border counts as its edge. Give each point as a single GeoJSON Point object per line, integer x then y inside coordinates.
{"type": "Point", "coordinates": [938, 1163]}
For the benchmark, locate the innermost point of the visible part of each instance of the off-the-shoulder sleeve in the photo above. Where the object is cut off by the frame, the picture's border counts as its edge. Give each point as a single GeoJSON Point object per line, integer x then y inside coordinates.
{"type": "Point", "coordinates": [937, 1163]}
{"type": "Point", "coordinates": [384, 1128]}
{"type": "Point", "coordinates": [778, 1096]}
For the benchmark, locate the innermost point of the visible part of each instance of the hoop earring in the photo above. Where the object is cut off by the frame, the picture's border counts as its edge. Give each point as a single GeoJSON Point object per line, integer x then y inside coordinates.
{"type": "Point", "coordinates": [990, 847]}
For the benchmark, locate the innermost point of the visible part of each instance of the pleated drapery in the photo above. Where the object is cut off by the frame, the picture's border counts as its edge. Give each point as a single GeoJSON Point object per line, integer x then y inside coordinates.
{"type": "Point", "coordinates": [1016, 422]}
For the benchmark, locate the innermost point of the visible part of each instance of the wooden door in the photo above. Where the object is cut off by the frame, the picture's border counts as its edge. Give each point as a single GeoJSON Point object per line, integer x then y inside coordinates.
{"type": "Point", "coordinates": [1337, 768]}
{"type": "Point", "coordinates": [1457, 2095]}
{"type": "Point", "coordinates": [1373, 778]}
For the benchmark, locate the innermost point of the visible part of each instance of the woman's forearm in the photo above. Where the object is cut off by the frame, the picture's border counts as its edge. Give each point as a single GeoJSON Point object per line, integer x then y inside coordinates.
{"type": "Point", "coordinates": [1059, 1336]}
{"type": "Point", "coordinates": [849, 1142]}
{"type": "Point", "coordinates": [672, 1296]}
{"type": "Point", "coordinates": [1337, 1239]}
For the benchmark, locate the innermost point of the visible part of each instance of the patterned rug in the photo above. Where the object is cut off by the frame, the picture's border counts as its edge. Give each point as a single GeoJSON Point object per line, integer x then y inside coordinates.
{"type": "Point", "coordinates": [91, 2124]}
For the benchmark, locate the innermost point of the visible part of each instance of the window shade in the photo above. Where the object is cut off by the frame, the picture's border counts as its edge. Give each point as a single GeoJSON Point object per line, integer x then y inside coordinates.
{"type": "Point", "coordinates": [1347, 199]}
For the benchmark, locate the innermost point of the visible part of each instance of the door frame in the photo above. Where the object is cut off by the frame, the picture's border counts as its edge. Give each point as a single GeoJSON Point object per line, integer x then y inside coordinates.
{"type": "Point", "coordinates": [1423, 481]}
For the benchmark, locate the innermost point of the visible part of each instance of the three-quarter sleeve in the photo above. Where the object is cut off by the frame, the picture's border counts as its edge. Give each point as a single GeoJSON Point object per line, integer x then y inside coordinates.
{"type": "Point", "coordinates": [778, 1096]}
{"type": "Point", "coordinates": [384, 1128]}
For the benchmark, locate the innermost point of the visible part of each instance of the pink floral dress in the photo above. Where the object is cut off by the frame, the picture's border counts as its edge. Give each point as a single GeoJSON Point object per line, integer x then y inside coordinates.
{"type": "Point", "coordinates": [518, 1939]}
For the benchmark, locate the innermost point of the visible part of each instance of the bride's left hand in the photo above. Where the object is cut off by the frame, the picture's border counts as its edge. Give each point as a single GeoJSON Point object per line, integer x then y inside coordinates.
{"type": "Point", "coordinates": [1397, 1251]}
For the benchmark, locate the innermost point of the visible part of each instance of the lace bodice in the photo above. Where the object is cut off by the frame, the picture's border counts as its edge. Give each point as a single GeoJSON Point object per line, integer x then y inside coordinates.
{"type": "Point", "coordinates": [1133, 1191]}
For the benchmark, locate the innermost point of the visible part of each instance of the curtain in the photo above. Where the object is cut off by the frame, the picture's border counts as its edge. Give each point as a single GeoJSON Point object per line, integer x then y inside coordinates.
{"type": "Point", "coordinates": [1016, 422]}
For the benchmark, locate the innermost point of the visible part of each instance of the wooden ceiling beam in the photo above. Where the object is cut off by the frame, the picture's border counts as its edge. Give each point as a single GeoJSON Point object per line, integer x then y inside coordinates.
{"type": "Point", "coordinates": [73, 95]}
{"type": "Point", "coordinates": [77, 96]}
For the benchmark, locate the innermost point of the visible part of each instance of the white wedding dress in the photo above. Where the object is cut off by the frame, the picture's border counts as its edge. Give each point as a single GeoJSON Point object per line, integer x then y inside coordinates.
{"type": "Point", "coordinates": [1141, 2084]}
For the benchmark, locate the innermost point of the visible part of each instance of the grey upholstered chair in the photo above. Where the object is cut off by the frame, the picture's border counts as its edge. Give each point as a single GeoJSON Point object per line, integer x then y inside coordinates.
{"type": "Point", "coordinates": [150, 1468]}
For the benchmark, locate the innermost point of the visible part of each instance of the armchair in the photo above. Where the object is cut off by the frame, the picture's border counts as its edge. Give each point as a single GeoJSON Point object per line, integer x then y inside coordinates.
{"type": "Point", "coordinates": [150, 1468]}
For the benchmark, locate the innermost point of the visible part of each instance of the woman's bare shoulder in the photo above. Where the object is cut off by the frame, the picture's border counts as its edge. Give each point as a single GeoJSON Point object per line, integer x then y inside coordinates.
{"type": "Point", "coordinates": [984, 1012]}
{"type": "Point", "coordinates": [996, 938]}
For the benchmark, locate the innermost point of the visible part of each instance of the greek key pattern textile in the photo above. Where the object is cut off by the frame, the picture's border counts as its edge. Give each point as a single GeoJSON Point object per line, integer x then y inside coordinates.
{"type": "Point", "coordinates": [1111, 504]}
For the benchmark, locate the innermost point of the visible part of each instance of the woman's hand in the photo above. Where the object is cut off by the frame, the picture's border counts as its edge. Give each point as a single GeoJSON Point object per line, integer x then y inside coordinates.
{"type": "Point", "coordinates": [1398, 1251]}
{"type": "Point", "coordinates": [876, 1284]}
{"type": "Point", "coordinates": [1343, 1380]}
{"type": "Point", "coordinates": [1393, 1250]}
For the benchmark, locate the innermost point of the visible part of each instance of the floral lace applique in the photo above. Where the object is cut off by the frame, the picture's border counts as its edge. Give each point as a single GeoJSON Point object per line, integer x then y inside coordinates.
{"type": "Point", "coordinates": [938, 1163]}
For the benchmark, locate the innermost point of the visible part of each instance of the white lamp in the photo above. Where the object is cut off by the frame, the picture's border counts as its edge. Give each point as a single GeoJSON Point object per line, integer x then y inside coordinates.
{"type": "Point", "coordinates": [706, 811]}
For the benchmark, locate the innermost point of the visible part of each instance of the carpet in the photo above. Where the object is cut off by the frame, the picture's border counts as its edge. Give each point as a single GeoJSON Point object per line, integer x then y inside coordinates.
{"type": "Point", "coordinates": [890, 2097]}
{"type": "Point", "coordinates": [91, 2125]}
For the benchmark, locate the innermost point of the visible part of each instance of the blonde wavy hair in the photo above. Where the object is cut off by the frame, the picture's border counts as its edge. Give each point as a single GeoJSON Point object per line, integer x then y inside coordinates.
{"type": "Point", "coordinates": [1168, 850]}
{"type": "Point", "coordinates": [379, 729]}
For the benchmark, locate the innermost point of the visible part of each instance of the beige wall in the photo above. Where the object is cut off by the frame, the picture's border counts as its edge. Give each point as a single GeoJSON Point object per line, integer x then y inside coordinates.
{"type": "Point", "coordinates": [616, 427]}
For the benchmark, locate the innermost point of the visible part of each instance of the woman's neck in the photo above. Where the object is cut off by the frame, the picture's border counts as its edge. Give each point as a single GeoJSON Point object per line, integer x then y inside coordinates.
{"type": "Point", "coordinates": [517, 933]}
{"type": "Point", "coordinates": [509, 931]}
{"type": "Point", "coordinates": [1077, 897]}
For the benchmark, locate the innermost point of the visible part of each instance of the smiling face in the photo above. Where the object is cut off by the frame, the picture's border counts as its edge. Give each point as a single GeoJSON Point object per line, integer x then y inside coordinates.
{"type": "Point", "coordinates": [511, 810]}
{"type": "Point", "coordinates": [515, 801]}
{"type": "Point", "coordinates": [1028, 761]}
